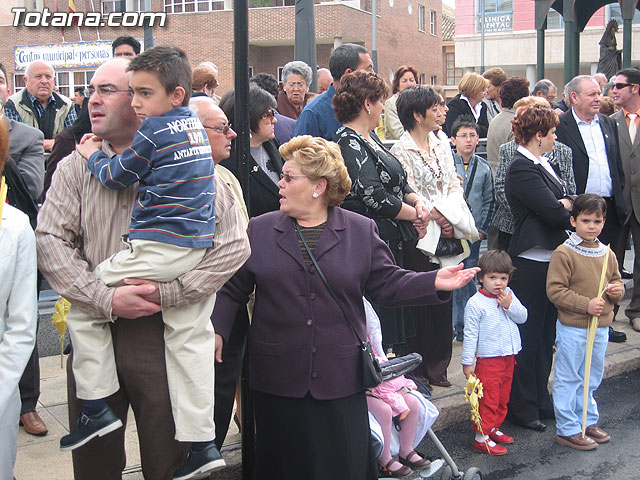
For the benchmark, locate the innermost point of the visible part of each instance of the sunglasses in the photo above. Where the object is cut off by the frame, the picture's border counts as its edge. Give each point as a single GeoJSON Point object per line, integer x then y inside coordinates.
{"type": "Point", "coordinates": [620, 86]}
{"type": "Point", "coordinates": [268, 114]}
{"type": "Point", "coordinates": [288, 178]}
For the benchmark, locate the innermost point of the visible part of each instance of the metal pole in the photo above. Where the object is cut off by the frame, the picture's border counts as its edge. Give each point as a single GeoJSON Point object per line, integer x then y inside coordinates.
{"type": "Point", "coordinates": [576, 49]}
{"type": "Point", "coordinates": [540, 52]}
{"type": "Point", "coordinates": [626, 43]}
{"type": "Point", "coordinates": [148, 28]}
{"type": "Point", "coordinates": [374, 34]}
{"type": "Point", "coordinates": [481, 36]}
{"type": "Point", "coordinates": [241, 126]}
{"type": "Point", "coordinates": [305, 41]}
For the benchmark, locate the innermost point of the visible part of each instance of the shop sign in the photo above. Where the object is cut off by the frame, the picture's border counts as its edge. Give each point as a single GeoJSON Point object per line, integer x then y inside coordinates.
{"type": "Point", "coordinates": [77, 55]}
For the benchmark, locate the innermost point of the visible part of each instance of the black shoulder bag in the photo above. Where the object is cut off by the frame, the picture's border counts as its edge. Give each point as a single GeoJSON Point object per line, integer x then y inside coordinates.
{"type": "Point", "coordinates": [371, 371]}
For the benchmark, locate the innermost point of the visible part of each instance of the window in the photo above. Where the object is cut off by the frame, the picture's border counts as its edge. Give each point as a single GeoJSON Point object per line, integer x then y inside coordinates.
{"type": "Point", "coordinates": [65, 81]}
{"type": "Point", "coordinates": [189, 6]}
{"type": "Point", "coordinates": [554, 20]}
{"type": "Point", "coordinates": [616, 14]}
{"type": "Point", "coordinates": [498, 15]}
{"type": "Point", "coordinates": [452, 74]}
{"type": "Point", "coordinates": [109, 6]}
{"type": "Point", "coordinates": [432, 22]}
{"type": "Point", "coordinates": [421, 19]}
{"type": "Point", "coordinates": [433, 80]}
{"type": "Point", "coordinates": [423, 79]}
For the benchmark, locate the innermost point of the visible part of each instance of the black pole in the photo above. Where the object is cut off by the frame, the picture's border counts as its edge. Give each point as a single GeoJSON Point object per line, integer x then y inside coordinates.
{"type": "Point", "coordinates": [241, 126]}
{"type": "Point", "coordinates": [540, 52]}
{"type": "Point", "coordinates": [304, 47]}
{"type": "Point", "coordinates": [147, 28]}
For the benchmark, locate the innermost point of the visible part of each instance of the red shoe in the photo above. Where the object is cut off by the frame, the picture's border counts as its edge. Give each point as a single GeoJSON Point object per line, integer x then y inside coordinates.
{"type": "Point", "coordinates": [500, 438]}
{"type": "Point", "coordinates": [484, 447]}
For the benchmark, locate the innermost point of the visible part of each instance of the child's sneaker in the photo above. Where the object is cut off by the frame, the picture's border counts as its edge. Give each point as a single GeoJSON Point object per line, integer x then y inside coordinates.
{"type": "Point", "coordinates": [89, 427]}
{"type": "Point", "coordinates": [499, 437]}
{"type": "Point", "coordinates": [487, 447]}
{"type": "Point", "coordinates": [200, 462]}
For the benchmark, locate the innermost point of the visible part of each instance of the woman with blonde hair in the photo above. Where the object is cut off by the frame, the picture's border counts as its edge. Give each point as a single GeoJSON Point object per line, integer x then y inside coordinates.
{"type": "Point", "coordinates": [305, 364]}
{"type": "Point", "coordinates": [472, 88]}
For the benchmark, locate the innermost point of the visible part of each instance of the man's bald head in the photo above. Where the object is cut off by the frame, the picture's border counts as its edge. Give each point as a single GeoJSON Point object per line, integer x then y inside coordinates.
{"type": "Point", "coordinates": [112, 116]}
{"type": "Point", "coordinates": [214, 121]}
{"type": "Point", "coordinates": [324, 79]}
{"type": "Point", "coordinates": [40, 80]}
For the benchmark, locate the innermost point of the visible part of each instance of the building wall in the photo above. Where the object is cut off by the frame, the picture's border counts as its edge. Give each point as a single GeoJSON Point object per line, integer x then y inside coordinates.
{"type": "Point", "coordinates": [209, 35]}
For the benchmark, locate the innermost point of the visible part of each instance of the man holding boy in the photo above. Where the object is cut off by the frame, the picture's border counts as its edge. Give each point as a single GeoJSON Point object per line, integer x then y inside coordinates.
{"type": "Point", "coordinates": [80, 225]}
{"type": "Point", "coordinates": [478, 190]}
{"type": "Point", "coordinates": [572, 285]}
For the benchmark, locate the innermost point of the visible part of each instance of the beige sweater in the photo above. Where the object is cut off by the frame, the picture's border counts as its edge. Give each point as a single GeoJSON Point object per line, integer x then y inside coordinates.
{"type": "Point", "coordinates": [573, 280]}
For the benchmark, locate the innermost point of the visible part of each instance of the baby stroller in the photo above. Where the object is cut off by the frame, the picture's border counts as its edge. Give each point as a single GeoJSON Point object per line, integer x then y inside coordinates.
{"type": "Point", "coordinates": [442, 468]}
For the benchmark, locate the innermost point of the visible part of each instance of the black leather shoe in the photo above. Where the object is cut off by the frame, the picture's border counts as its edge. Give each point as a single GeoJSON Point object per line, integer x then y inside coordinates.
{"type": "Point", "coordinates": [536, 425]}
{"type": "Point", "coordinates": [616, 336]}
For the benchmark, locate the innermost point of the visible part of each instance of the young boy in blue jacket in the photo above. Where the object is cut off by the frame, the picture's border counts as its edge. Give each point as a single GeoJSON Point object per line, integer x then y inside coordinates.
{"type": "Point", "coordinates": [478, 190]}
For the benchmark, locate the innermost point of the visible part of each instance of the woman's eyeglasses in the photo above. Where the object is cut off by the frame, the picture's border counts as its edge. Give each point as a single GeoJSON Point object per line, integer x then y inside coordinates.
{"type": "Point", "coordinates": [268, 114]}
{"type": "Point", "coordinates": [288, 178]}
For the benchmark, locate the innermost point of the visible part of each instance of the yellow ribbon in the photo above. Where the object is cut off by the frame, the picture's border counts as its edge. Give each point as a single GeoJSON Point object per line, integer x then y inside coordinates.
{"type": "Point", "coordinates": [591, 336]}
{"type": "Point", "coordinates": [472, 394]}
{"type": "Point", "coordinates": [3, 196]}
{"type": "Point", "coordinates": [59, 320]}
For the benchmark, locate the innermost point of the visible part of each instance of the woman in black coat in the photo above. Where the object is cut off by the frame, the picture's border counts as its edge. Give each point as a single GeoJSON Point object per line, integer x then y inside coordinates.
{"type": "Point", "coordinates": [472, 88]}
{"type": "Point", "coordinates": [265, 163]}
{"type": "Point", "coordinates": [541, 210]}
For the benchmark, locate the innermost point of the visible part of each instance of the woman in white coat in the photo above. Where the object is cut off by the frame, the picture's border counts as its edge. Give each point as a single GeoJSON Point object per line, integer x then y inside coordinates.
{"type": "Point", "coordinates": [18, 314]}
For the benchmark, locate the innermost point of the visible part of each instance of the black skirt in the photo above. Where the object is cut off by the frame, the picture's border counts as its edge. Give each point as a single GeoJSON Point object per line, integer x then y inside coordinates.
{"type": "Point", "coordinates": [305, 438]}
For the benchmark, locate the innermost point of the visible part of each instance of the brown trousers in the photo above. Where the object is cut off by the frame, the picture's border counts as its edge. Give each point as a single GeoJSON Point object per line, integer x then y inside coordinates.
{"type": "Point", "coordinates": [434, 332]}
{"type": "Point", "coordinates": [140, 362]}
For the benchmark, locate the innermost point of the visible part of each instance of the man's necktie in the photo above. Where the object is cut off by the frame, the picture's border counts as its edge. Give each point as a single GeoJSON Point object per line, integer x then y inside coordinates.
{"type": "Point", "coordinates": [632, 126]}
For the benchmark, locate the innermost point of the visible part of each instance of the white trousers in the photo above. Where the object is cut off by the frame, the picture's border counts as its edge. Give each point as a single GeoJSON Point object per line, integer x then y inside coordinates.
{"type": "Point", "coordinates": [9, 417]}
{"type": "Point", "coordinates": [188, 334]}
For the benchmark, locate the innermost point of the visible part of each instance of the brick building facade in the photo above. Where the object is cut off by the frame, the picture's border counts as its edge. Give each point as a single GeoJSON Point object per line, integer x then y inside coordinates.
{"type": "Point", "coordinates": [409, 32]}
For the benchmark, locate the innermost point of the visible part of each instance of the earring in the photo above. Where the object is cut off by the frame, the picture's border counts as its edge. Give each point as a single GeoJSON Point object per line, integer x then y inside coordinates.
{"type": "Point", "coordinates": [368, 111]}
{"type": "Point", "coordinates": [315, 195]}
{"type": "Point", "coordinates": [539, 142]}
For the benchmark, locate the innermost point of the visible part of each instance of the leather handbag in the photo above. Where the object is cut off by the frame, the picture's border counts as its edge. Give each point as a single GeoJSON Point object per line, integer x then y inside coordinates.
{"type": "Point", "coordinates": [449, 247]}
{"type": "Point", "coordinates": [371, 371]}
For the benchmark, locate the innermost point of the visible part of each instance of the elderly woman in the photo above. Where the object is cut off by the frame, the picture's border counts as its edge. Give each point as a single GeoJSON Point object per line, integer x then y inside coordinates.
{"type": "Point", "coordinates": [18, 314]}
{"type": "Point", "coordinates": [541, 211]}
{"type": "Point", "coordinates": [265, 163]}
{"type": "Point", "coordinates": [431, 173]}
{"type": "Point", "coordinates": [296, 79]}
{"type": "Point", "coordinates": [405, 76]}
{"type": "Point", "coordinates": [472, 88]}
{"type": "Point", "coordinates": [560, 158]}
{"type": "Point", "coordinates": [204, 82]}
{"type": "Point", "coordinates": [379, 187]}
{"type": "Point", "coordinates": [304, 360]}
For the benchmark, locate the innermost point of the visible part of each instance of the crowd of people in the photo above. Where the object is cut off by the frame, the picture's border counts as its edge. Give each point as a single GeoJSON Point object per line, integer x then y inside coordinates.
{"type": "Point", "coordinates": [365, 199]}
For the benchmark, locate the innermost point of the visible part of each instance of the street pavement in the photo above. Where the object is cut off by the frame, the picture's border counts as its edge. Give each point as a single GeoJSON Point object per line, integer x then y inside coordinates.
{"type": "Point", "coordinates": [40, 457]}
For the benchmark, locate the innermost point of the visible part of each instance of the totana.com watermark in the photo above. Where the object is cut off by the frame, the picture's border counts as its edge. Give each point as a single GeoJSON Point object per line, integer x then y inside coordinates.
{"type": "Point", "coordinates": [46, 18]}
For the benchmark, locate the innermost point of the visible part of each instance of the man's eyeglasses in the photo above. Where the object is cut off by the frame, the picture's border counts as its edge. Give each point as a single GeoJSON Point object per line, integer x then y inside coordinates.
{"type": "Point", "coordinates": [105, 91]}
{"type": "Point", "coordinates": [621, 85]}
{"type": "Point", "coordinates": [223, 129]}
{"type": "Point", "coordinates": [465, 136]}
{"type": "Point", "coordinates": [268, 114]}
{"type": "Point", "coordinates": [288, 178]}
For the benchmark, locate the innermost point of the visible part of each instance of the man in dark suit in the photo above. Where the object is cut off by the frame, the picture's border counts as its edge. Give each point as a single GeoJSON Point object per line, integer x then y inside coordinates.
{"type": "Point", "coordinates": [626, 94]}
{"type": "Point", "coordinates": [597, 168]}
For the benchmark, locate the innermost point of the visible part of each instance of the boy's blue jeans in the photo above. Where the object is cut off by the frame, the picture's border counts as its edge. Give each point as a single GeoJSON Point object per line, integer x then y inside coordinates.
{"type": "Point", "coordinates": [462, 295]}
{"type": "Point", "coordinates": [568, 379]}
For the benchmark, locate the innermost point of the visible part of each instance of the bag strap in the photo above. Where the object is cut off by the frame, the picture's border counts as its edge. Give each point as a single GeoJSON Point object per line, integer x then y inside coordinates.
{"type": "Point", "coordinates": [470, 182]}
{"type": "Point", "coordinates": [324, 279]}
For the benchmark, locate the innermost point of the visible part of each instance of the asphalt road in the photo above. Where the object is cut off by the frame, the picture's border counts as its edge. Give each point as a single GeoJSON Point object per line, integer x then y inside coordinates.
{"type": "Point", "coordinates": [535, 456]}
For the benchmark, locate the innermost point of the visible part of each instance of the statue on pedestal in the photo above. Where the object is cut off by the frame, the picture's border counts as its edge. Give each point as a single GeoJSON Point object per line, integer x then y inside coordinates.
{"type": "Point", "coordinates": [610, 57]}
